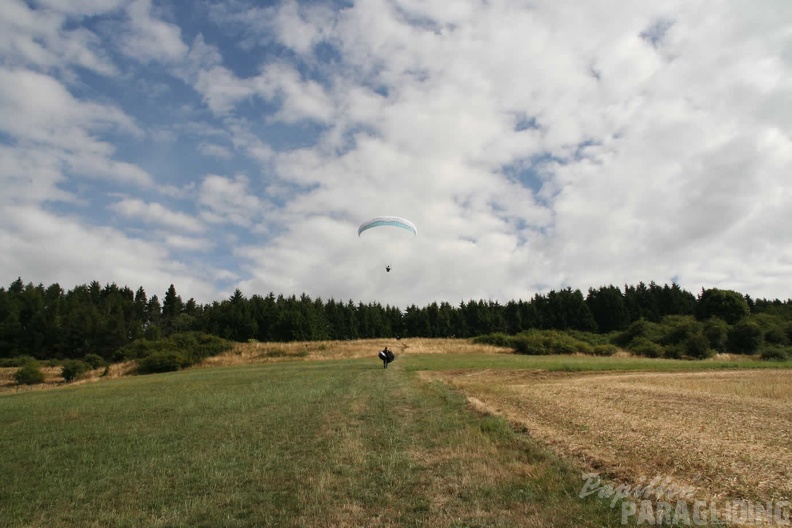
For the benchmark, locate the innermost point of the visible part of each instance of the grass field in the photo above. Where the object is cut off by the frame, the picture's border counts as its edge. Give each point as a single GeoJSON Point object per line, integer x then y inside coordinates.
{"type": "Point", "coordinates": [329, 441]}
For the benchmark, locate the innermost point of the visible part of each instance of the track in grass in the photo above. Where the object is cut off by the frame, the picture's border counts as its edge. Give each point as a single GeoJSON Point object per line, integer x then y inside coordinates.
{"type": "Point", "coordinates": [340, 443]}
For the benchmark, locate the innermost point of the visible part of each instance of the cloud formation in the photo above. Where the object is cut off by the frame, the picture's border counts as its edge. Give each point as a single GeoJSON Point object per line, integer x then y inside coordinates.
{"type": "Point", "coordinates": [537, 145]}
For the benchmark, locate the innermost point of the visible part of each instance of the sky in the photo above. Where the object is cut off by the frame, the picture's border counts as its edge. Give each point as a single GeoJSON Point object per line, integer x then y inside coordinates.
{"type": "Point", "coordinates": [536, 145]}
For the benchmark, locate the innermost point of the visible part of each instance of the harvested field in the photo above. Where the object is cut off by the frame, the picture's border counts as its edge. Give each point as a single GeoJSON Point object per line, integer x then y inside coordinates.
{"type": "Point", "coordinates": [725, 434]}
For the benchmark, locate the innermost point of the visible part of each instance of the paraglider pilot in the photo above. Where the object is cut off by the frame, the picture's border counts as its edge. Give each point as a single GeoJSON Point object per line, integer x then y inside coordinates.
{"type": "Point", "coordinates": [386, 356]}
{"type": "Point", "coordinates": [387, 268]}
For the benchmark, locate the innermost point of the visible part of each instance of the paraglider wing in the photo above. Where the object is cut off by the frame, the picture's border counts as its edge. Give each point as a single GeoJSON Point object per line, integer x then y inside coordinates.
{"type": "Point", "coordinates": [395, 221]}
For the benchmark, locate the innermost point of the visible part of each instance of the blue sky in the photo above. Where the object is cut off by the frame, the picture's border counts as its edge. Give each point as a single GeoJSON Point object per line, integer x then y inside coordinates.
{"type": "Point", "coordinates": [537, 145]}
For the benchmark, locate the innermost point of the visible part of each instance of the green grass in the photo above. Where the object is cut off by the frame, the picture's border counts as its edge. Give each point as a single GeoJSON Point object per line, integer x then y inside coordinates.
{"type": "Point", "coordinates": [338, 443]}
{"type": "Point", "coordinates": [578, 363]}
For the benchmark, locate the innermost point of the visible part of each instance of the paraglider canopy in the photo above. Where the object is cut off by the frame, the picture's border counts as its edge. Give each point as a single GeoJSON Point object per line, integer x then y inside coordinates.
{"type": "Point", "coordinates": [394, 221]}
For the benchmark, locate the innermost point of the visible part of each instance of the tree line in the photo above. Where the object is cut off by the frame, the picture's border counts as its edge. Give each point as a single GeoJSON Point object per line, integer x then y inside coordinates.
{"type": "Point", "coordinates": [47, 322]}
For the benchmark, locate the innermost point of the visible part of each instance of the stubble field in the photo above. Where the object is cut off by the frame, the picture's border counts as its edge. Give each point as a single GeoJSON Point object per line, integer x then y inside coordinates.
{"type": "Point", "coordinates": [725, 434]}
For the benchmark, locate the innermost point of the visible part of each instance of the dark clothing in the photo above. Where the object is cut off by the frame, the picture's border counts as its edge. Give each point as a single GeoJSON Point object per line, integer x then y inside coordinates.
{"type": "Point", "coordinates": [386, 356]}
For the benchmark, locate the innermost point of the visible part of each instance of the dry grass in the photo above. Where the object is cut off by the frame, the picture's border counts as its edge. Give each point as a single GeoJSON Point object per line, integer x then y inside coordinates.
{"type": "Point", "coordinates": [244, 353]}
{"type": "Point", "coordinates": [726, 434]}
{"type": "Point", "coordinates": [53, 378]}
{"type": "Point", "coordinates": [7, 384]}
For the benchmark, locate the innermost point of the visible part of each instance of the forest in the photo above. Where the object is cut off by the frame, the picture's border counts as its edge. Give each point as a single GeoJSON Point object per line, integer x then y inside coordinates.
{"type": "Point", "coordinates": [48, 322]}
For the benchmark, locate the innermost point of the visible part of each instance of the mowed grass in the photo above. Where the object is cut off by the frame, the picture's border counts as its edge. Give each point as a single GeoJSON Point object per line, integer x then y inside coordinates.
{"type": "Point", "coordinates": [320, 443]}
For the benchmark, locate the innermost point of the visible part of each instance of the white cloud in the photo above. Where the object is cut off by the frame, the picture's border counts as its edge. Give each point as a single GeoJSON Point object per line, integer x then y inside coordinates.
{"type": "Point", "coordinates": [148, 38]}
{"type": "Point", "coordinates": [536, 144]}
{"type": "Point", "coordinates": [215, 151]}
{"type": "Point", "coordinates": [34, 240]}
{"type": "Point", "coordinates": [154, 213]}
{"type": "Point", "coordinates": [83, 7]}
{"type": "Point", "coordinates": [227, 200]}
{"type": "Point", "coordinates": [36, 107]}
{"type": "Point", "coordinates": [29, 176]}
{"type": "Point", "coordinates": [38, 38]}
{"type": "Point", "coordinates": [180, 242]}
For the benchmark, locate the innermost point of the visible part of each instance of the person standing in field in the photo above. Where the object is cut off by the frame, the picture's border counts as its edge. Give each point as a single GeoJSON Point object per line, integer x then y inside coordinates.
{"type": "Point", "coordinates": [386, 356]}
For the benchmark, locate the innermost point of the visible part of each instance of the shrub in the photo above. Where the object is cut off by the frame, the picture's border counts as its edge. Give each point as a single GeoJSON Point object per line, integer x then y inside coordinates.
{"type": "Point", "coordinates": [717, 332]}
{"type": "Point", "coordinates": [776, 335]}
{"type": "Point", "coordinates": [545, 342]}
{"type": "Point", "coordinates": [498, 339]}
{"type": "Point", "coordinates": [94, 361]}
{"type": "Point", "coordinates": [774, 328]}
{"type": "Point", "coordinates": [18, 361]}
{"type": "Point", "coordinates": [745, 338]}
{"type": "Point", "coordinates": [188, 347]}
{"type": "Point", "coordinates": [644, 347]}
{"type": "Point", "coordinates": [677, 329]}
{"type": "Point", "coordinates": [29, 374]}
{"type": "Point", "coordinates": [673, 352]}
{"type": "Point", "coordinates": [162, 362]}
{"type": "Point", "coordinates": [73, 369]}
{"type": "Point", "coordinates": [174, 352]}
{"type": "Point", "coordinates": [138, 349]}
{"type": "Point", "coordinates": [639, 329]}
{"type": "Point", "coordinates": [196, 346]}
{"type": "Point", "coordinates": [775, 353]}
{"type": "Point", "coordinates": [697, 346]}
{"type": "Point", "coordinates": [605, 349]}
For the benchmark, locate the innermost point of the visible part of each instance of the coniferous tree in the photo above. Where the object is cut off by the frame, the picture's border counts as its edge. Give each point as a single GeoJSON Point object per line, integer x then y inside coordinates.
{"type": "Point", "coordinates": [152, 328]}
{"type": "Point", "coordinates": [608, 309]}
{"type": "Point", "coordinates": [172, 306]}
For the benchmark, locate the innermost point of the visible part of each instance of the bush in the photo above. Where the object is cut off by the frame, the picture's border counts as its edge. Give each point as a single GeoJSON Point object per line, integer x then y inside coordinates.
{"type": "Point", "coordinates": [605, 349]}
{"type": "Point", "coordinates": [644, 347]}
{"type": "Point", "coordinates": [745, 338]}
{"type": "Point", "coordinates": [774, 328]}
{"type": "Point", "coordinates": [591, 338]}
{"type": "Point", "coordinates": [677, 329]}
{"type": "Point", "coordinates": [197, 346]}
{"type": "Point", "coordinates": [717, 333]}
{"type": "Point", "coordinates": [73, 369]}
{"type": "Point", "coordinates": [174, 352]}
{"type": "Point", "coordinates": [94, 361]}
{"type": "Point", "coordinates": [138, 349]}
{"type": "Point", "coordinates": [697, 346]}
{"type": "Point", "coordinates": [673, 352]}
{"type": "Point", "coordinates": [19, 361]}
{"type": "Point", "coordinates": [775, 353]}
{"type": "Point", "coordinates": [29, 374]}
{"type": "Point", "coordinates": [497, 339]}
{"type": "Point", "coordinates": [162, 362]}
{"type": "Point", "coordinates": [776, 335]}
{"type": "Point", "coordinates": [546, 342]}
{"type": "Point", "coordinates": [640, 329]}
